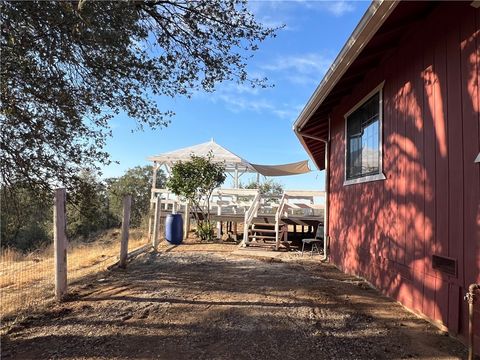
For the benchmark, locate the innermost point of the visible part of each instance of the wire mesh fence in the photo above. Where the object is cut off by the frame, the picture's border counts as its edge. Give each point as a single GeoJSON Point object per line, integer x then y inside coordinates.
{"type": "Point", "coordinates": [27, 279]}
{"type": "Point", "coordinates": [87, 258]}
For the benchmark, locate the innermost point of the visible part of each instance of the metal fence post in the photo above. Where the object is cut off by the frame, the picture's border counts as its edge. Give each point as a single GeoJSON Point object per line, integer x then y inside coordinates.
{"type": "Point", "coordinates": [127, 202]}
{"type": "Point", "coordinates": [60, 244]}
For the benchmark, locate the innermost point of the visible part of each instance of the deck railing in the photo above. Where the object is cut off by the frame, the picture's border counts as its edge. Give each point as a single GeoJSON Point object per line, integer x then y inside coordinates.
{"type": "Point", "coordinates": [278, 216]}
{"type": "Point", "coordinates": [249, 215]}
{"type": "Point", "coordinates": [250, 202]}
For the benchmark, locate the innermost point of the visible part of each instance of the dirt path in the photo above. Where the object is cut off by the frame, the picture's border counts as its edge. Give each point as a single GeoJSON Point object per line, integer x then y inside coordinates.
{"type": "Point", "coordinates": [202, 305]}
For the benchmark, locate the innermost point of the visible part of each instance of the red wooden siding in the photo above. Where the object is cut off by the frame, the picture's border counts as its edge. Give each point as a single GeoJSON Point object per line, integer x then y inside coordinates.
{"type": "Point", "coordinates": [387, 231]}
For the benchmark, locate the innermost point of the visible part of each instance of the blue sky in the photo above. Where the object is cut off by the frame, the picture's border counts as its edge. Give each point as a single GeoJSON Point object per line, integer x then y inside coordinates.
{"type": "Point", "coordinates": [255, 124]}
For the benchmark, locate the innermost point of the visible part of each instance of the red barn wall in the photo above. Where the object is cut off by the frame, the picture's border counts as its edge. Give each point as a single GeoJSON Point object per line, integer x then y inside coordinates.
{"type": "Point", "coordinates": [388, 230]}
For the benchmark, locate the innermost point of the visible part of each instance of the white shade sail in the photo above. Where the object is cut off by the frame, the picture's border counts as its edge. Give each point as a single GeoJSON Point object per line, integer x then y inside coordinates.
{"type": "Point", "coordinates": [296, 168]}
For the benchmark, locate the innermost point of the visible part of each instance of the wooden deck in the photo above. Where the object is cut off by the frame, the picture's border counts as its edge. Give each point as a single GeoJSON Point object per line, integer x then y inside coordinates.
{"type": "Point", "coordinates": [299, 220]}
{"type": "Point", "coordinates": [291, 220]}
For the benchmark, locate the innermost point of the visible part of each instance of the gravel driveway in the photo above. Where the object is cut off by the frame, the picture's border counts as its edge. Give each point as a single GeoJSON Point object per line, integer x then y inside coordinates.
{"type": "Point", "coordinates": [199, 304]}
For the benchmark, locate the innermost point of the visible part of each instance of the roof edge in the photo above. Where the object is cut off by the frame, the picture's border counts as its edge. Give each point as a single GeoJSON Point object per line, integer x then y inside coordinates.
{"type": "Point", "coordinates": [371, 21]}
{"type": "Point", "coordinates": [302, 141]}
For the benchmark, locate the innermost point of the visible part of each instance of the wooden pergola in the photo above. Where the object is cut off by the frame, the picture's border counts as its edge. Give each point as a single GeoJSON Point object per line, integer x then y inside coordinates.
{"type": "Point", "coordinates": [235, 166]}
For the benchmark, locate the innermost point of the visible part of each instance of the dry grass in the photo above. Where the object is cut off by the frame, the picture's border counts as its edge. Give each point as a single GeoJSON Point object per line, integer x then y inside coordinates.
{"type": "Point", "coordinates": [27, 280]}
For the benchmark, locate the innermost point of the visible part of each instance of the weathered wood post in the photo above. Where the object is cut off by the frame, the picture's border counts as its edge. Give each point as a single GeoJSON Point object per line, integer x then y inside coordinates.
{"type": "Point", "coordinates": [235, 230]}
{"type": "Point", "coordinates": [127, 202]}
{"type": "Point", "coordinates": [236, 182]}
{"type": "Point", "coordinates": [60, 244]}
{"type": "Point", "coordinates": [152, 196]}
{"type": "Point", "coordinates": [186, 222]}
{"type": "Point", "coordinates": [156, 222]}
{"type": "Point", "coordinates": [219, 222]}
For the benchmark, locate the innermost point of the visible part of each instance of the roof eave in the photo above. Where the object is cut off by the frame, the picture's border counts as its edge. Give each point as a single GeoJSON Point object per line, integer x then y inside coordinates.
{"type": "Point", "coordinates": [302, 141]}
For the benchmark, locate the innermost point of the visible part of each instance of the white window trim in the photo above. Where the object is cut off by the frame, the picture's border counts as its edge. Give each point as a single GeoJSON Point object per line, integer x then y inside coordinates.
{"type": "Point", "coordinates": [380, 175]}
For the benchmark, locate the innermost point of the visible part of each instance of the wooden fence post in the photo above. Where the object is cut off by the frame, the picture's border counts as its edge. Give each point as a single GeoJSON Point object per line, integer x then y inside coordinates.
{"type": "Point", "coordinates": [152, 196]}
{"type": "Point", "coordinates": [127, 202]}
{"type": "Point", "coordinates": [186, 223]}
{"type": "Point", "coordinates": [150, 230]}
{"type": "Point", "coordinates": [219, 222]}
{"type": "Point", "coordinates": [60, 244]}
{"type": "Point", "coordinates": [156, 222]}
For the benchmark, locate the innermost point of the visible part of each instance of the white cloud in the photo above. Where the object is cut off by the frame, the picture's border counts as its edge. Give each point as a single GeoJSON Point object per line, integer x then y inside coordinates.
{"type": "Point", "coordinates": [240, 88]}
{"type": "Point", "coordinates": [305, 64]}
{"type": "Point", "coordinates": [281, 9]}
{"type": "Point", "coordinates": [288, 112]}
{"type": "Point", "coordinates": [303, 80]}
{"type": "Point", "coordinates": [336, 8]}
{"type": "Point", "coordinates": [290, 71]}
{"type": "Point", "coordinates": [301, 69]}
{"type": "Point", "coordinates": [263, 11]}
{"type": "Point", "coordinates": [236, 102]}
{"type": "Point", "coordinates": [339, 8]}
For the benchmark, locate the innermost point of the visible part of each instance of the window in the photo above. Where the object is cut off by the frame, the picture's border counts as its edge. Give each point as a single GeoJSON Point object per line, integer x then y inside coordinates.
{"type": "Point", "coordinates": [364, 141]}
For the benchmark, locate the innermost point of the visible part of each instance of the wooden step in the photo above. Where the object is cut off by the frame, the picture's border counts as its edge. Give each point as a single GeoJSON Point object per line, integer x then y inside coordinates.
{"type": "Point", "coordinates": [262, 237]}
{"type": "Point", "coordinates": [263, 224]}
{"type": "Point", "coordinates": [271, 231]}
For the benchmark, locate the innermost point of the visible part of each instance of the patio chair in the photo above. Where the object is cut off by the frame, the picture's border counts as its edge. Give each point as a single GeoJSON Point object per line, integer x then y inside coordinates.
{"type": "Point", "coordinates": [315, 242]}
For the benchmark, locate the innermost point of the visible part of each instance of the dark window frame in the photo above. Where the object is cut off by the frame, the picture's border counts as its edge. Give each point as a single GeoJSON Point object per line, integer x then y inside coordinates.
{"type": "Point", "coordinates": [377, 173]}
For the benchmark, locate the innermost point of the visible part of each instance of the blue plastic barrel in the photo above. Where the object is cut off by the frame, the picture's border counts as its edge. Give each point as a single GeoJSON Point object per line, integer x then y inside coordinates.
{"type": "Point", "coordinates": [174, 229]}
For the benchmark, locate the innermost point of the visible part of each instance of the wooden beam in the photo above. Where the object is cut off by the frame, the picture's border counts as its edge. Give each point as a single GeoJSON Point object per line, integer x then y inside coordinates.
{"type": "Point", "coordinates": [317, 146]}
{"type": "Point", "coordinates": [315, 127]}
{"type": "Point", "coordinates": [236, 176]}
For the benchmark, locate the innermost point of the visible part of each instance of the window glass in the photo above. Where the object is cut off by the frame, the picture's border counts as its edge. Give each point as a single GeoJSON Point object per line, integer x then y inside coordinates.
{"type": "Point", "coordinates": [363, 139]}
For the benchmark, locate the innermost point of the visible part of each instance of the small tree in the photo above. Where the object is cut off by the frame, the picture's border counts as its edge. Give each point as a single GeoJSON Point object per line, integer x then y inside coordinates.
{"type": "Point", "coordinates": [267, 188]}
{"type": "Point", "coordinates": [137, 182]}
{"type": "Point", "coordinates": [195, 181]}
{"type": "Point", "coordinates": [25, 217]}
{"type": "Point", "coordinates": [87, 207]}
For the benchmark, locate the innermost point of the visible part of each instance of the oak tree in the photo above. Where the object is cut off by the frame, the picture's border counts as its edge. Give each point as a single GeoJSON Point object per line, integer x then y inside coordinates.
{"type": "Point", "coordinates": [137, 182]}
{"type": "Point", "coordinates": [68, 67]}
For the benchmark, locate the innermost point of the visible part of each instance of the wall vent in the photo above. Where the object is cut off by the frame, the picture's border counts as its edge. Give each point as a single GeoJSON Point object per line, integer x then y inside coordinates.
{"type": "Point", "coordinates": [444, 264]}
